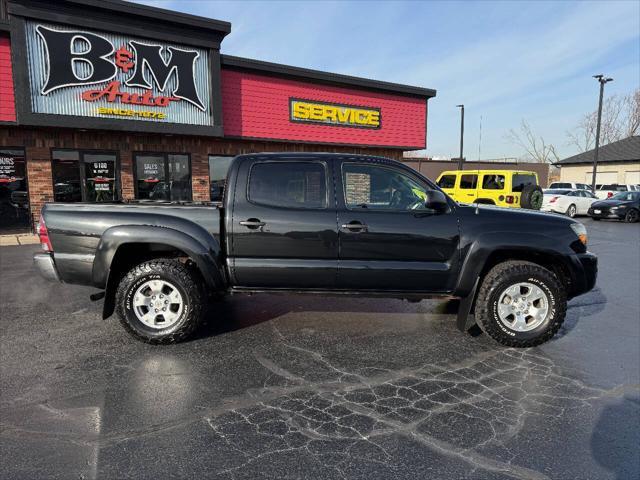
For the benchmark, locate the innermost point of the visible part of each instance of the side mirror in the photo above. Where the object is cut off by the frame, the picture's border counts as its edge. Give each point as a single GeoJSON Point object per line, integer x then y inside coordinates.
{"type": "Point", "coordinates": [436, 200]}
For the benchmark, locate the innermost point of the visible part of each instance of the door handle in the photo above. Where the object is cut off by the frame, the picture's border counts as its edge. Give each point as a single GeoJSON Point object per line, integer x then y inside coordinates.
{"type": "Point", "coordinates": [355, 227]}
{"type": "Point", "coordinates": [252, 223]}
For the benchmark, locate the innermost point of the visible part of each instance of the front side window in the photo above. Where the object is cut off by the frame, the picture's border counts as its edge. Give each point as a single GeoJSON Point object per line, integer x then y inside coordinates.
{"type": "Point", "coordinates": [493, 182]}
{"type": "Point", "coordinates": [447, 181]}
{"type": "Point", "coordinates": [161, 176]}
{"type": "Point", "coordinates": [469, 182]}
{"type": "Point", "coordinates": [218, 169]}
{"type": "Point", "coordinates": [381, 188]}
{"type": "Point", "coordinates": [288, 184]}
{"type": "Point", "coordinates": [522, 180]}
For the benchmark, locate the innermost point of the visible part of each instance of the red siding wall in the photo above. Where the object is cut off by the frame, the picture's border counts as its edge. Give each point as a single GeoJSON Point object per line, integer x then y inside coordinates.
{"type": "Point", "coordinates": [257, 106]}
{"type": "Point", "coordinates": [7, 101]}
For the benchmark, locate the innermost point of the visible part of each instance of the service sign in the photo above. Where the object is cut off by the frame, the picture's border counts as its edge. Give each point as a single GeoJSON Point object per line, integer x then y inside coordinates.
{"type": "Point", "coordinates": [309, 111]}
{"type": "Point", "coordinates": [110, 75]}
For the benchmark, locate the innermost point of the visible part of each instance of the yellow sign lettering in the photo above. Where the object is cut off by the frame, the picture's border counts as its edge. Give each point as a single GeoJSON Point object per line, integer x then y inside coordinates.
{"type": "Point", "coordinates": [331, 114]}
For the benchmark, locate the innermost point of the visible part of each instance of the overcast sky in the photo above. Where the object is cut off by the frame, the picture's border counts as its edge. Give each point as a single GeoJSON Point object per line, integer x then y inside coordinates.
{"type": "Point", "coordinates": [506, 61]}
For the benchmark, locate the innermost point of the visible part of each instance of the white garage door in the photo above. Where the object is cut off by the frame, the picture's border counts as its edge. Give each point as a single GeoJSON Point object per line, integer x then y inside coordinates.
{"type": "Point", "coordinates": [632, 177]}
{"type": "Point", "coordinates": [602, 177]}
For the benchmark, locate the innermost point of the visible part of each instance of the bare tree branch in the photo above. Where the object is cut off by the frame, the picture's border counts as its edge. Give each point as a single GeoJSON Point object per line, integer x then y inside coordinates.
{"type": "Point", "coordinates": [620, 119]}
{"type": "Point", "coordinates": [536, 148]}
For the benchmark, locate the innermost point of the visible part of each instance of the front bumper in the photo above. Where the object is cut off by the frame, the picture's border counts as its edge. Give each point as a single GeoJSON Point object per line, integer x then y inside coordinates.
{"type": "Point", "coordinates": [46, 266]}
{"type": "Point", "coordinates": [584, 269]}
{"type": "Point", "coordinates": [607, 213]}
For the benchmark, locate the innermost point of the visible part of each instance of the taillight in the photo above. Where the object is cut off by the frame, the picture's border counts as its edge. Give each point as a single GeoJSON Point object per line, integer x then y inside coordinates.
{"type": "Point", "coordinates": [609, 194]}
{"type": "Point", "coordinates": [509, 199]}
{"type": "Point", "coordinates": [45, 243]}
{"type": "Point", "coordinates": [553, 199]}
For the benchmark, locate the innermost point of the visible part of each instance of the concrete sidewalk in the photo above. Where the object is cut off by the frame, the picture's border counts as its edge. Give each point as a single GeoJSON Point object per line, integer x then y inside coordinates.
{"type": "Point", "coordinates": [18, 239]}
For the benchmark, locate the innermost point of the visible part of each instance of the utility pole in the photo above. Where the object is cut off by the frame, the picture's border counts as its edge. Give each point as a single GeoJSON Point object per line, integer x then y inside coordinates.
{"type": "Point", "coordinates": [602, 80]}
{"type": "Point", "coordinates": [461, 158]}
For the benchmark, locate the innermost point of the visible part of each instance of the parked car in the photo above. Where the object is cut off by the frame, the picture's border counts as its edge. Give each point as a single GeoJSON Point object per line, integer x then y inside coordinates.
{"type": "Point", "coordinates": [570, 186]}
{"type": "Point", "coordinates": [322, 224]}
{"type": "Point", "coordinates": [609, 190]}
{"type": "Point", "coordinates": [622, 206]}
{"type": "Point", "coordinates": [505, 188]}
{"type": "Point", "coordinates": [568, 202]}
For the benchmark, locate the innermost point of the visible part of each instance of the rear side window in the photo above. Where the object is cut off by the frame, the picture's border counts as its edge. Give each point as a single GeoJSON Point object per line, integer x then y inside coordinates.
{"type": "Point", "coordinates": [493, 182]}
{"type": "Point", "coordinates": [288, 184]}
{"type": "Point", "coordinates": [447, 181]}
{"type": "Point", "coordinates": [520, 181]}
{"type": "Point", "coordinates": [469, 182]}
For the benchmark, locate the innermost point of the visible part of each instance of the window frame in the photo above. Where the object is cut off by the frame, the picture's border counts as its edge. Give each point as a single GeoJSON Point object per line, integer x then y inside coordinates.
{"type": "Point", "coordinates": [327, 178]}
{"type": "Point", "coordinates": [165, 155]}
{"type": "Point", "coordinates": [393, 168]}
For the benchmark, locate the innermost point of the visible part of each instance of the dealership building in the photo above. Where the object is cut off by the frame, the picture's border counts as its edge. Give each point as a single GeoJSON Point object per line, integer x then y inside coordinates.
{"type": "Point", "coordinates": [104, 100]}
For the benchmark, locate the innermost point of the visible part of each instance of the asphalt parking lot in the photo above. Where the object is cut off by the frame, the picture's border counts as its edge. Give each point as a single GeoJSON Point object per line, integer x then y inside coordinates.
{"type": "Point", "coordinates": [320, 388]}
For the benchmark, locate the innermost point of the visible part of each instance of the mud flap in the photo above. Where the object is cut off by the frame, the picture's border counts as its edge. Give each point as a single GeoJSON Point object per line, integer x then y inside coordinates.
{"type": "Point", "coordinates": [465, 319]}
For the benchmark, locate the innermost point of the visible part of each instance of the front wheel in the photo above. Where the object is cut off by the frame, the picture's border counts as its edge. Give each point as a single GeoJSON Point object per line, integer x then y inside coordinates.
{"type": "Point", "coordinates": [632, 216]}
{"type": "Point", "coordinates": [160, 301]}
{"type": "Point", "coordinates": [520, 304]}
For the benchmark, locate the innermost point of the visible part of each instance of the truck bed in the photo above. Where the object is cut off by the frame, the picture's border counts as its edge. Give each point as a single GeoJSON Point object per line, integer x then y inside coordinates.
{"type": "Point", "coordinates": [75, 229]}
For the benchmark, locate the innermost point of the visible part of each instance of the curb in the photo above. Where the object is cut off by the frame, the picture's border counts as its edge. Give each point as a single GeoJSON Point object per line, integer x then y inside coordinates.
{"type": "Point", "coordinates": [20, 239]}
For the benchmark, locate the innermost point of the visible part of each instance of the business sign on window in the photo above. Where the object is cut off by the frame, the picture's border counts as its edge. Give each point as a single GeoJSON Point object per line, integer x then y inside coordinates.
{"type": "Point", "coordinates": [308, 111]}
{"type": "Point", "coordinates": [111, 75]}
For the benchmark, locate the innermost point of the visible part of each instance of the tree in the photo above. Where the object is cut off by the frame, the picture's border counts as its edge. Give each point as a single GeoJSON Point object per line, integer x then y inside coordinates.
{"type": "Point", "coordinates": [535, 146]}
{"type": "Point", "coordinates": [620, 119]}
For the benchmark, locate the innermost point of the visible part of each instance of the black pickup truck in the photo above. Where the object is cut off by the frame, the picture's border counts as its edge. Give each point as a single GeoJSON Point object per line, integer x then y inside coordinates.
{"type": "Point", "coordinates": [328, 224]}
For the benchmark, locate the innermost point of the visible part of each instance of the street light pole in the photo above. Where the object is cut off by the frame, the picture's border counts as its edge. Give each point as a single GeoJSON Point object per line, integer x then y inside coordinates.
{"type": "Point", "coordinates": [460, 158]}
{"type": "Point", "coordinates": [602, 80]}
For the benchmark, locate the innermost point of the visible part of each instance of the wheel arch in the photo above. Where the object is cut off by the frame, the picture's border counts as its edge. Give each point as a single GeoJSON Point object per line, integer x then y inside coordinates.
{"type": "Point", "coordinates": [123, 247]}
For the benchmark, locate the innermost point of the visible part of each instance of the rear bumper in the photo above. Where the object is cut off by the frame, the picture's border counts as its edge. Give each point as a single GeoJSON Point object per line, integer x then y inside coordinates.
{"type": "Point", "coordinates": [46, 266]}
{"type": "Point", "coordinates": [585, 272]}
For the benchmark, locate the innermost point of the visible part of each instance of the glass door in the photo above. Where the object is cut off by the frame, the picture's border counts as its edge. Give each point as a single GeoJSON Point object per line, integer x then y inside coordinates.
{"type": "Point", "coordinates": [100, 177]}
{"type": "Point", "coordinates": [84, 176]}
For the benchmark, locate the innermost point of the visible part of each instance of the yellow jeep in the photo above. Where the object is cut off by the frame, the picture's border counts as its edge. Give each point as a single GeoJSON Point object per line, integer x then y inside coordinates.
{"type": "Point", "coordinates": [505, 188]}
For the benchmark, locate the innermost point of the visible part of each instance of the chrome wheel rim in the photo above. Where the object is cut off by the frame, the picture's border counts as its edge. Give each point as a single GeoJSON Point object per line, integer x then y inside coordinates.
{"type": "Point", "coordinates": [523, 307]}
{"type": "Point", "coordinates": [158, 304]}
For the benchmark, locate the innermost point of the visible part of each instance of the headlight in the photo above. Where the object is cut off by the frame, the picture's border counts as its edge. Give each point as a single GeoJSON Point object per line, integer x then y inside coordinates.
{"type": "Point", "coordinates": [581, 231]}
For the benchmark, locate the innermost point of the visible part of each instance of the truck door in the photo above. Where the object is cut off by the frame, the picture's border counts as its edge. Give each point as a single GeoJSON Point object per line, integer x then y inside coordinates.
{"type": "Point", "coordinates": [283, 227]}
{"type": "Point", "coordinates": [388, 239]}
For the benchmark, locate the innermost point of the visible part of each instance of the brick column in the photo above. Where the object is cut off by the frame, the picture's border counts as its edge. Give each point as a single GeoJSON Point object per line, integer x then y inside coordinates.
{"type": "Point", "coordinates": [126, 175]}
{"type": "Point", "coordinates": [39, 177]}
{"type": "Point", "coordinates": [200, 177]}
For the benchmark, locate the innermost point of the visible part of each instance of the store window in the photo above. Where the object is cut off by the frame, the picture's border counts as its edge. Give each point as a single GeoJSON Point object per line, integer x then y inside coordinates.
{"type": "Point", "coordinates": [162, 176]}
{"type": "Point", "coordinates": [14, 197]}
{"type": "Point", "coordinates": [84, 176]}
{"type": "Point", "coordinates": [218, 169]}
{"type": "Point", "coordinates": [285, 184]}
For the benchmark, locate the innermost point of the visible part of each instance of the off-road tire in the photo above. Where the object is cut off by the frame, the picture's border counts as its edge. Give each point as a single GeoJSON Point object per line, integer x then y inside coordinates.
{"type": "Point", "coordinates": [184, 277]}
{"type": "Point", "coordinates": [531, 197]}
{"type": "Point", "coordinates": [631, 216]}
{"type": "Point", "coordinates": [499, 279]}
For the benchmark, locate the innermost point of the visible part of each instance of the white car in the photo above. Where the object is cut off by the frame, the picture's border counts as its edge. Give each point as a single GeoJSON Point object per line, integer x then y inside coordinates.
{"type": "Point", "coordinates": [568, 202]}
{"type": "Point", "coordinates": [609, 190]}
{"type": "Point", "coordinates": [570, 186]}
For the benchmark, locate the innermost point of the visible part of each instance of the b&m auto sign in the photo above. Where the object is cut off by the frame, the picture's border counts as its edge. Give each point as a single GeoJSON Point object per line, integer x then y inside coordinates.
{"type": "Point", "coordinates": [110, 75]}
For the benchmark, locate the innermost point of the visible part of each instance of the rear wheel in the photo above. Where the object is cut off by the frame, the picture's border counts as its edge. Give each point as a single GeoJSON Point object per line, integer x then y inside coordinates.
{"type": "Point", "coordinates": [571, 211]}
{"type": "Point", "coordinates": [520, 304]}
{"type": "Point", "coordinates": [160, 301]}
{"type": "Point", "coordinates": [632, 216]}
